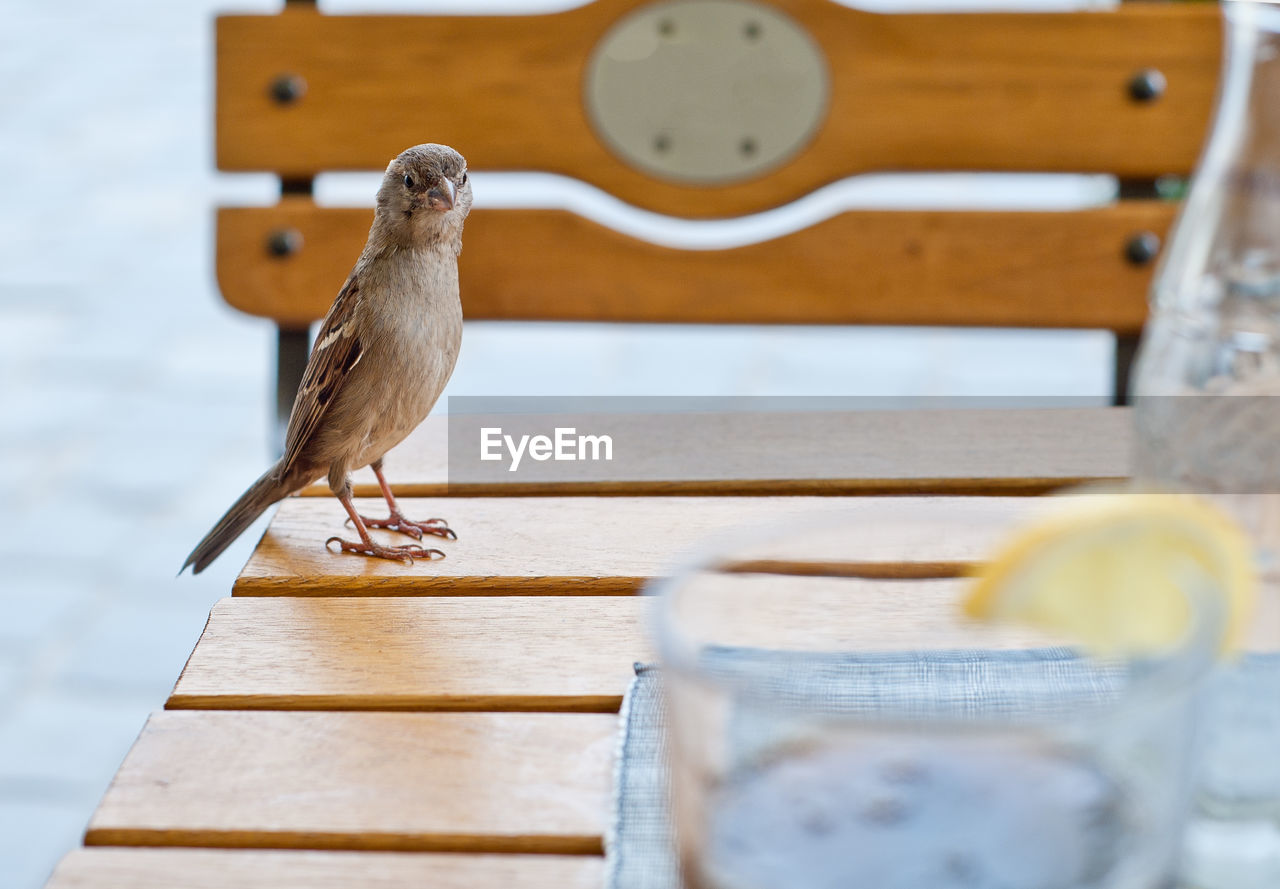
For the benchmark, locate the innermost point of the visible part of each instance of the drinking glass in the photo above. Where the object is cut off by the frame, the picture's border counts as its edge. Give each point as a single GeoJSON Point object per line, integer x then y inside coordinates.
{"type": "Point", "coordinates": [835, 721]}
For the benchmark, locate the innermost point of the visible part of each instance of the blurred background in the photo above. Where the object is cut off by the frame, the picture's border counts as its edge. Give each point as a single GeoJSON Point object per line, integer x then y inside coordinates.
{"type": "Point", "coordinates": [135, 405]}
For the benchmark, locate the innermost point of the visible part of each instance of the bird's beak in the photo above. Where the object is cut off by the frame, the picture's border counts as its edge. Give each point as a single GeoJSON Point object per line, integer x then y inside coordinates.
{"type": "Point", "coordinates": [442, 197]}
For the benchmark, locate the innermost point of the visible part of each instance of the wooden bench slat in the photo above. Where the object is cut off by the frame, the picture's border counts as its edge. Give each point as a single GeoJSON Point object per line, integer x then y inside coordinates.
{"type": "Point", "coordinates": [124, 868]}
{"type": "Point", "coordinates": [469, 782]}
{"type": "Point", "coordinates": [560, 653]}
{"type": "Point", "coordinates": [986, 268]}
{"type": "Point", "coordinates": [612, 546]}
{"type": "Point", "coordinates": [984, 91]}
{"type": "Point", "coordinates": [869, 452]}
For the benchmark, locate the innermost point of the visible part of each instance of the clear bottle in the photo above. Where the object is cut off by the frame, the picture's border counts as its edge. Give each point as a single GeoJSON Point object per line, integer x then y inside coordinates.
{"type": "Point", "coordinates": [1207, 418]}
{"type": "Point", "coordinates": [1208, 367]}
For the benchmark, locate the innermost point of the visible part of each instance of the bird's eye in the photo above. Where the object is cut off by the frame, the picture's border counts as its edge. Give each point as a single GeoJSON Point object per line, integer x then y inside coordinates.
{"type": "Point", "coordinates": [408, 181]}
{"type": "Point", "coordinates": [463, 180]}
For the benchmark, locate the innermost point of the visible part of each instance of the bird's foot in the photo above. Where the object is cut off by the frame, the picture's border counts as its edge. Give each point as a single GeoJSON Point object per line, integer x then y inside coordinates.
{"type": "Point", "coordinates": [404, 554]}
{"type": "Point", "coordinates": [397, 522]}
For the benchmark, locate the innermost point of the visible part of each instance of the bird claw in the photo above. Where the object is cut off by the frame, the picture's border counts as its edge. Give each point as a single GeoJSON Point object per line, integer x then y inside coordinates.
{"type": "Point", "coordinates": [405, 554]}
{"type": "Point", "coordinates": [397, 522]}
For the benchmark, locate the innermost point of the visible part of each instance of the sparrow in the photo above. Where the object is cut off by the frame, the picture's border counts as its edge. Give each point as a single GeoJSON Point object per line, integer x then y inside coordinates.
{"type": "Point", "coordinates": [383, 354]}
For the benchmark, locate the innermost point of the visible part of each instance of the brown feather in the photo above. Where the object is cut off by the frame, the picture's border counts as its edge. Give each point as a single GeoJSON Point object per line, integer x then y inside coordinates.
{"type": "Point", "coordinates": [336, 352]}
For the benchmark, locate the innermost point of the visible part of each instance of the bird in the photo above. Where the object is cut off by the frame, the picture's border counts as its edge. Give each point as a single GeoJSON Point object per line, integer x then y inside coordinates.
{"type": "Point", "coordinates": [384, 352]}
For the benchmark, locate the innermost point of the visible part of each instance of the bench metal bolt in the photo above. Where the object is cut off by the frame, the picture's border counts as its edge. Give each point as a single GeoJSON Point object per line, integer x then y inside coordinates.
{"type": "Point", "coordinates": [1147, 85]}
{"type": "Point", "coordinates": [284, 242]}
{"type": "Point", "coordinates": [288, 88]}
{"type": "Point", "coordinates": [1142, 248]}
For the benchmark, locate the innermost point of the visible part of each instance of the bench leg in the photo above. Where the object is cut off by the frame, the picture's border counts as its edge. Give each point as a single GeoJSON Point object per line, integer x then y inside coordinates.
{"type": "Point", "coordinates": [293, 345]}
{"type": "Point", "coordinates": [1126, 349]}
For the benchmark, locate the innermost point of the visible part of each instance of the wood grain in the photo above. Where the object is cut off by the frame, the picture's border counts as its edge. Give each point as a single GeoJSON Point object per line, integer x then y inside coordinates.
{"type": "Point", "coordinates": [612, 546]}
{"type": "Point", "coordinates": [471, 782]}
{"type": "Point", "coordinates": [991, 91]}
{"type": "Point", "coordinates": [544, 653]}
{"type": "Point", "coordinates": [822, 615]}
{"type": "Point", "coordinates": [122, 868]}
{"type": "Point", "coordinates": [416, 654]}
{"type": "Point", "coordinates": [989, 268]}
{"type": "Point", "coordinates": [957, 452]}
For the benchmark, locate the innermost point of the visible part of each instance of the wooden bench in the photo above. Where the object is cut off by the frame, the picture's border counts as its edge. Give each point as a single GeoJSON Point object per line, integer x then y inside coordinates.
{"type": "Point", "coordinates": [1125, 92]}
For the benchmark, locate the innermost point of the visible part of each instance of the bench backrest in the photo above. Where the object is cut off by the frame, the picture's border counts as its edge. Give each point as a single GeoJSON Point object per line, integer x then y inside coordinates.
{"type": "Point", "coordinates": [1126, 92]}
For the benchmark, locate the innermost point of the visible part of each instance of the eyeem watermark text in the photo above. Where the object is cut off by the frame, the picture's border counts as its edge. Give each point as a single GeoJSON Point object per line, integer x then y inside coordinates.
{"type": "Point", "coordinates": [565, 445]}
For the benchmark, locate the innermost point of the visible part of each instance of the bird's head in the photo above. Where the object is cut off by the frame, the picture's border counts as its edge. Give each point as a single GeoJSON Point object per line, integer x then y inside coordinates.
{"type": "Point", "coordinates": [425, 194]}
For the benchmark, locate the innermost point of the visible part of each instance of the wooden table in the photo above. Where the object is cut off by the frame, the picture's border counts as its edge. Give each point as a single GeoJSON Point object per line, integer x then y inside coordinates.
{"type": "Point", "coordinates": [348, 722]}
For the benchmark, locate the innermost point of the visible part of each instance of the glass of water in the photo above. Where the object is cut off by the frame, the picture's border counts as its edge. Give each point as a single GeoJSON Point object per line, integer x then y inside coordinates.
{"type": "Point", "coordinates": [834, 724]}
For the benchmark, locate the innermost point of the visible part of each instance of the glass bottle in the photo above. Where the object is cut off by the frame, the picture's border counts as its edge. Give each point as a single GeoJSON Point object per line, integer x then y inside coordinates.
{"type": "Point", "coordinates": [1214, 328]}
{"type": "Point", "coordinates": [1207, 419]}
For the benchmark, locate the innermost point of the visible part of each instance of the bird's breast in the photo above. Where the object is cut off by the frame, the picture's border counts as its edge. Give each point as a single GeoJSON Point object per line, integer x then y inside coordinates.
{"type": "Point", "coordinates": [415, 343]}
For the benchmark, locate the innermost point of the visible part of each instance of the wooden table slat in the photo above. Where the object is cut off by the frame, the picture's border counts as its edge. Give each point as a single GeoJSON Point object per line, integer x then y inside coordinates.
{"type": "Point", "coordinates": [125, 868]}
{"type": "Point", "coordinates": [612, 546]}
{"type": "Point", "coordinates": [537, 653]}
{"type": "Point", "coordinates": [462, 782]}
{"type": "Point", "coordinates": [548, 653]}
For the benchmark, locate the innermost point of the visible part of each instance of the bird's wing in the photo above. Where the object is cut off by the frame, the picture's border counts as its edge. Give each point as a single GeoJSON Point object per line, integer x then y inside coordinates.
{"type": "Point", "coordinates": [336, 352]}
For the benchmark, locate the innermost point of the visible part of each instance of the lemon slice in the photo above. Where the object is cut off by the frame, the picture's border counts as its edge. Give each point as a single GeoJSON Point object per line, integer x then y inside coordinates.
{"type": "Point", "coordinates": [1114, 571]}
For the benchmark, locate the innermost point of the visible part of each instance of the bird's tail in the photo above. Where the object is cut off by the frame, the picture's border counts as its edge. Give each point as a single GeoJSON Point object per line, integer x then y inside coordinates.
{"type": "Point", "coordinates": [252, 503]}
